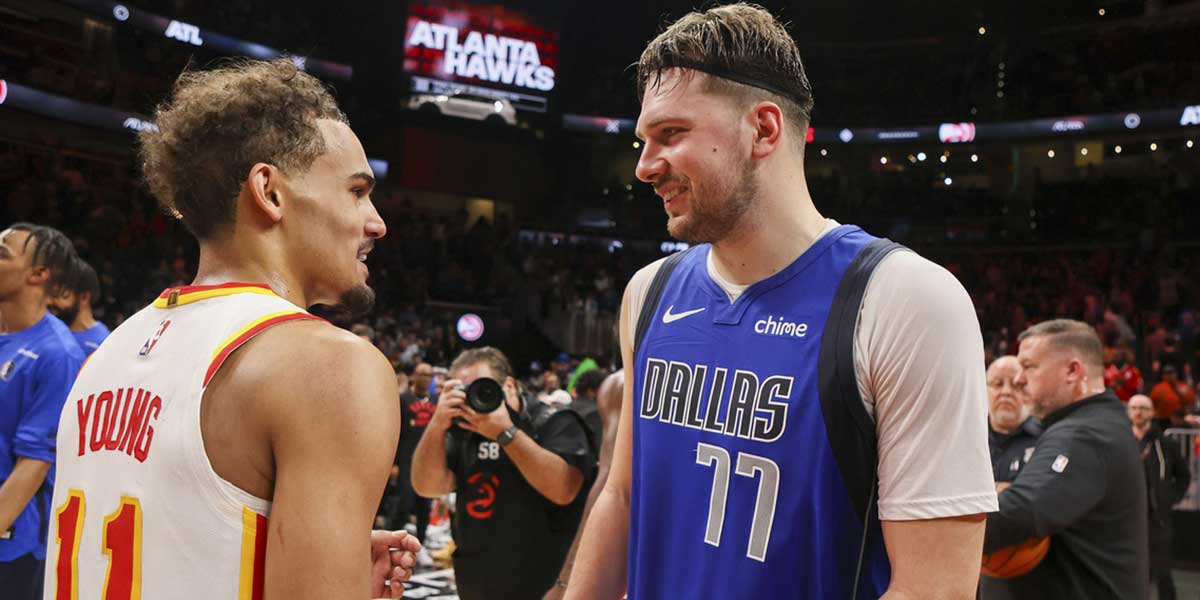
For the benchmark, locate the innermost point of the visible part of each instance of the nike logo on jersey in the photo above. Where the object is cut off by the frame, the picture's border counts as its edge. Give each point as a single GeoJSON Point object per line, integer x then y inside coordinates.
{"type": "Point", "coordinates": [671, 318]}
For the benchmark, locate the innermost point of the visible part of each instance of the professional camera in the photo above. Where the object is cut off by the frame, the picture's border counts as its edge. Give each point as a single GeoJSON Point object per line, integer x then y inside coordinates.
{"type": "Point", "coordinates": [484, 395]}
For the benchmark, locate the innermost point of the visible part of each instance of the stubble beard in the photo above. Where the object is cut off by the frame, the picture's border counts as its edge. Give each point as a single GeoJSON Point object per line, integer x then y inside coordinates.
{"type": "Point", "coordinates": [714, 216]}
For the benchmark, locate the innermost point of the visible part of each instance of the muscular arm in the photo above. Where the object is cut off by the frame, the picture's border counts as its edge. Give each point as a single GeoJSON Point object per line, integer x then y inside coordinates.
{"type": "Point", "coordinates": [605, 543]}
{"type": "Point", "coordinates": [16, 491]}
{"type": "Point", "coordinates": [608, 403]}
{"type": "Point", "coordinates": [546, 471]}
{"type": "Point", "coordinates": [934, 559]}
{"type": "Point", "coordinates": [331, 439]}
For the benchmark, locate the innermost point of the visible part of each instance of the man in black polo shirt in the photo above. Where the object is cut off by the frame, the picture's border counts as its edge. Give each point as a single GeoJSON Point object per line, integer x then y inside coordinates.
{"type": "Point", "coordinates": [1083, 486]}
{"type": "Point", "coordinates": [1012, 432]}
{"type": "Point", "coordinates": [522, 474]}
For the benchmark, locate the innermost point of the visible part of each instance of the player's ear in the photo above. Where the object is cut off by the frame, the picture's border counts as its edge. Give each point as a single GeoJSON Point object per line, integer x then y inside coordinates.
{"type": "Point", "coordinates": [767, 122]}
{"type": "Point", "coordinates": [263, 187]}
{"type": "Point", "coordinates": [38, 276]}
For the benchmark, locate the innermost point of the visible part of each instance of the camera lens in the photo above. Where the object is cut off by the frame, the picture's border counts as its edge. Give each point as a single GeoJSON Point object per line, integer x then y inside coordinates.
{"type": "Point", "coordinates": [485, 395]}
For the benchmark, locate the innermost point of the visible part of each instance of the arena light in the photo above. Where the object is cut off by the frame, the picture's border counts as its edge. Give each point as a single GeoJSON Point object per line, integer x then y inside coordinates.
{"type": "Point", "coordinates": [1190, 144]}
{"type": "Point", "coordinates": [921, 156]}
{"type": "Point", "coordinates": [948, 181]}
{"type": "Point", "coordinates": [1050, 154]}
{"type": "Point", "coordinates": [883, 160]}
{"type": "Point", "coordinates": [1083, 151]}
{"type": "Point", "coordinates": [982, 30]}
{"type": "Point", "coordinates": [824, 152]}
{"type": "Point", "coordinates": [637, 145]}
{"type": "Point", "coordinates": [1101, 11]}
{"type": "Point", "coordinates": [974, 158]}
{"type": "Point", "coordinates": [944, 159]}
{"type": "Point", "coordinates": [1153, 147]}
{"type": "Point", "coordinates": [1117, 149]}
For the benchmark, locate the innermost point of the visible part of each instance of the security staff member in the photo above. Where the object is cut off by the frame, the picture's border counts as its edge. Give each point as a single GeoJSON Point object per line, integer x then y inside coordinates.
{"type": "Point", "coordinates": [522, 474]}
{"type": "Point", "coordinates": [1083, 484]}
{"type": "Point", "coordinates": [1012, 432]}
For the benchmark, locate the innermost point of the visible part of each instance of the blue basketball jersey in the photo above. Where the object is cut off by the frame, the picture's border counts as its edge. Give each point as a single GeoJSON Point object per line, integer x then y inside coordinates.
{"type": "Point", "coordinates": [753, 457]}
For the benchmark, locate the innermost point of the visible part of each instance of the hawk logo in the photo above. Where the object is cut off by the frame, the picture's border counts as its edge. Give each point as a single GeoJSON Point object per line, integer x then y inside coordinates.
{"type": "Point", "coordinates": [153, 341]}
{"type": "Point", "coordinates": [485, 488]}
{"type": "Point", "coordinates": [6, 370]}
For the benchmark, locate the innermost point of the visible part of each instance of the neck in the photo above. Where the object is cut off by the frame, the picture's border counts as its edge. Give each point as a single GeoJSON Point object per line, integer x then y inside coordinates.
{"type": "Point", "coordinates": [1002, 429]}
{"type": "Point", "coordinates": [1139, 432]}
{"type": "Point", "coordinates": [84, 320]}
{"type": "Point", "coordinates": [22, 311]}
{"type": "Point", "coordinates": [781, 226]}
{"type": "Point", "coordinates": [226, 260]}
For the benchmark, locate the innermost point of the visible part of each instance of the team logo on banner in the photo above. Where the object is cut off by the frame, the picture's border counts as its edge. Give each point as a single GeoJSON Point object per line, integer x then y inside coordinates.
{"type": "Point", "coordinates": [956, 133]}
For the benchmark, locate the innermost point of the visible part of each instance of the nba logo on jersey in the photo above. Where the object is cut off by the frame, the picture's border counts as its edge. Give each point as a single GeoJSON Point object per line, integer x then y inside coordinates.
{"type": "Point", "coordinates": [150, 343]}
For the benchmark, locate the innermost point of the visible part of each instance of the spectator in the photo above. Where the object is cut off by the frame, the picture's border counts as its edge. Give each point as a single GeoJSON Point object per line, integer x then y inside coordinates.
{"type": "Point", "coordinates": [1076, 488]}
{"type": "Point", "coordinates": [587, 386]}
{"type": "Point", "coordinates": [74, 307]}
{"type": "Point", "coordinates": [522, 474]}
{"type": "Point", "coordinates": [417, 406]}
{"type": "Point", "coordinates": [1171, 398]}
{"type": "Point", "coordinates": [38, 361]}
{"type": "Point", "coordinates": [1167, 480]}
{"type": "Point", "coordinates": [1122, 376]}
{"type": "Point", "coordinates": [1013, 432]}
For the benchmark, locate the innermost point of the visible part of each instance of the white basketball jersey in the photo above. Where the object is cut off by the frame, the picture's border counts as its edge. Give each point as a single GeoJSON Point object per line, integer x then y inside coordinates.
{"type": "Point", "coordinates": [138, 512]}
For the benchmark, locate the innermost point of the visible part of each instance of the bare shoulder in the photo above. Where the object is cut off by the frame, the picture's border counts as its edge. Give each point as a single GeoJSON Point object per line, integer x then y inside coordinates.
{"type": "Point", "coordinates": [313, 365]}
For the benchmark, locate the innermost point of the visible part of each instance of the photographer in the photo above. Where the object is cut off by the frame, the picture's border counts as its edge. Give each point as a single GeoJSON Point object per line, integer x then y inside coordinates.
{"type": "Point", "coordinates": [521, 472]}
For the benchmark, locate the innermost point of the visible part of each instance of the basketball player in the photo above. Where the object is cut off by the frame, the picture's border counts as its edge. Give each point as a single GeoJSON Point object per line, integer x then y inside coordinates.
{"type": "Point", "coordinates": [74, 307]}
{"type": "Point", "coordinates": [784, 369]}
{"type": "Point", "coordinates": [608, 407]}
{"type": "Point", "coordinates": [38, 361]}
{"type": "Point", "coordinates": [223, 442]}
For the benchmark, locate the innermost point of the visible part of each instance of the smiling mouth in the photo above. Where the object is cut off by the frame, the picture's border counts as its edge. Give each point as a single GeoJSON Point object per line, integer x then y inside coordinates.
{"type": "Point", "coordinates": [666, 197]}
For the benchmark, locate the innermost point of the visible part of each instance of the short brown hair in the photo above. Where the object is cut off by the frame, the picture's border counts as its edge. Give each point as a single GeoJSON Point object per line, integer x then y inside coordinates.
{"type": "Point", "coordinates": [218, 123]}
{"type": "Point", "coordinates": [1068, 333]}
{"type": "Point", "coordinates": [742, 41]}
{"type": "Point", "coordinates": [495, 359]}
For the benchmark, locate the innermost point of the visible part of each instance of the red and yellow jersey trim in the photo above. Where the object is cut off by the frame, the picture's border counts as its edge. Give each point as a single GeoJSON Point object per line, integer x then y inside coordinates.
{"type": "Point", "coordinates": [253, 573]}
{"type": "Point", "coordinates": [252, 329]}
{"type": "Point", "coordinates": [178, 296]}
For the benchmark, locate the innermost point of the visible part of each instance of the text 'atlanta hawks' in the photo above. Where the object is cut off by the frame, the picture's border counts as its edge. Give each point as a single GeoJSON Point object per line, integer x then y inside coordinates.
{"type": "Point", "coordinates": [138, 511]}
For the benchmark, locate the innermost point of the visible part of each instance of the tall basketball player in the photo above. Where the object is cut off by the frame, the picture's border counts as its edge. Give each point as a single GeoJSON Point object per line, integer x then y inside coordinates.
{"type": "Point", "coordinates": [805, 414]}
{"type": "Point", "coordinates": [223, 442]}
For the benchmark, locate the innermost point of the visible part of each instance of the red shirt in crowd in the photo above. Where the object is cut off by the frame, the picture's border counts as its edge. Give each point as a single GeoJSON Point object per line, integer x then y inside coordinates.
{"type": "Point", "coordinates": [1125, 382]}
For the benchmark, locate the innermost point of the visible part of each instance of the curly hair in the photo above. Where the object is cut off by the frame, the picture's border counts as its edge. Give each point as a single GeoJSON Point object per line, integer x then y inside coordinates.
{"type": "Point", "coordinates": [748, 54]}
{"type": "Point", "coordinates": [220, 122]}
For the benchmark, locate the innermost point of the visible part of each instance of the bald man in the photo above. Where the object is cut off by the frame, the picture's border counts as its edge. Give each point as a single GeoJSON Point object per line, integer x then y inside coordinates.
{"type": "Point", "coordinates": [1012, 432]}
{"type": "Point", "coordinates": [1167, 480]}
